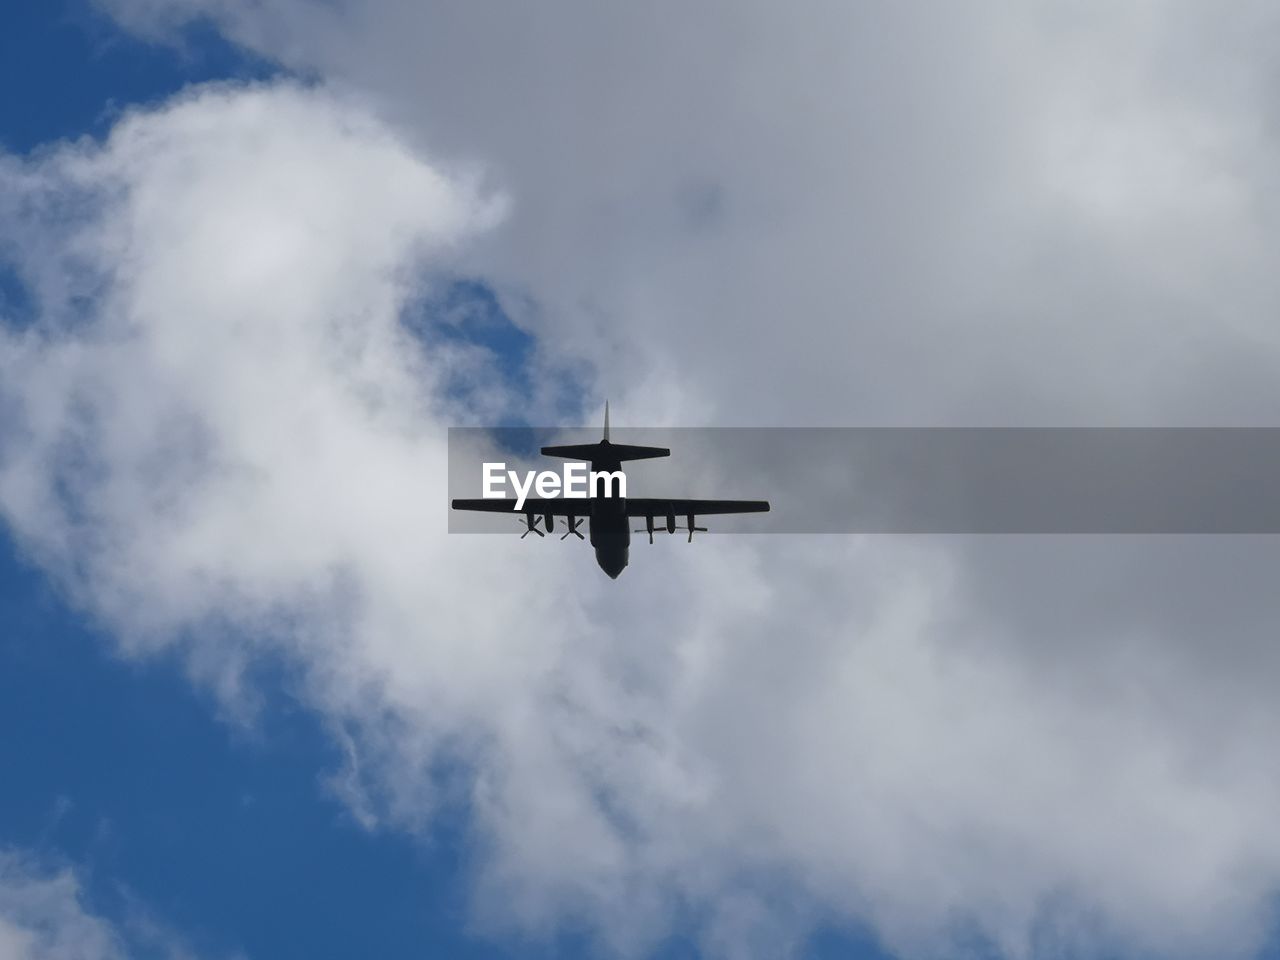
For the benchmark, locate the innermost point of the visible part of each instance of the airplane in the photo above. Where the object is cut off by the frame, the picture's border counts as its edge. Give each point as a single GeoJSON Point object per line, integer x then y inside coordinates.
{"type": "Point", "coordinates": [609, 517]}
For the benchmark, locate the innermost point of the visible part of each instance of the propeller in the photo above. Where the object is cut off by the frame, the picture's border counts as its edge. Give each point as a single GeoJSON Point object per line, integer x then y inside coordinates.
{"type": "Point", "coordinates": [648, 527]}
{"type": "Point", "coordinates": [692, 528]}
{"type": "Point", "coordinates": [532, 524]}
{"type": "Point", "coordinates": [573, 529]}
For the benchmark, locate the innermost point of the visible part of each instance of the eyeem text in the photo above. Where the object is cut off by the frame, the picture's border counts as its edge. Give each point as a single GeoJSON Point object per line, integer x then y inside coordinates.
{"type": "Point", "coordinates": [576, 483]}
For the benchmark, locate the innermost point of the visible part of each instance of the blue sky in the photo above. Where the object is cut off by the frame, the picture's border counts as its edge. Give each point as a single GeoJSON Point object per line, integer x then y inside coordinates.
{"type": "Point", "coordinates": [893, 733]}
{"type": "Point", "coordinates": [71, 70]}
{"type": "Point", "coordinates": [223, 833]}
{"type": "Point", "coordinates": [120, 767]}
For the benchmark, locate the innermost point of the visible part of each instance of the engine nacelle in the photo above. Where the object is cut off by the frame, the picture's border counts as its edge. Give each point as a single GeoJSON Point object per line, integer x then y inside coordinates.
{"type": "Point", "coordinates": [671, 523]}
{"type": "Point", "coordinates": [549, 522]}
{"type": "Point", "coordinates": [693, 528]}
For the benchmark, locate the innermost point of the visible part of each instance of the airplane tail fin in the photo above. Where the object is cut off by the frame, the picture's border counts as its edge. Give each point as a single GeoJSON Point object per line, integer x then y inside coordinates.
{"type": "Point", "coordinates": [604, 451]}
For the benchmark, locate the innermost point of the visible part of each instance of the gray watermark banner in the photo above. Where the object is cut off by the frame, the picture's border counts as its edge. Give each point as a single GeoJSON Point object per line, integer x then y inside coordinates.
{"type": "Point", "coordinates": [988, 480]}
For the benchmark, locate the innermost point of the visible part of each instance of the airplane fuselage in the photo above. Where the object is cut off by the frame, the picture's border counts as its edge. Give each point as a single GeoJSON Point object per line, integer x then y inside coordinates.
{"type": "Point", "coordinates": [609, 527]}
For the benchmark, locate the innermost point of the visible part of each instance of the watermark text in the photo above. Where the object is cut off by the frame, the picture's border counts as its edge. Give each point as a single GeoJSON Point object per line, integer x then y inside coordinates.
{"type": "Point", "coordinates": [576, 483]}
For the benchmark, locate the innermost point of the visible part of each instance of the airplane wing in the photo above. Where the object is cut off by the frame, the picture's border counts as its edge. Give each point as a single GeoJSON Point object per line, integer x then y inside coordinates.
{"type": "Point", "coordinates": [556, 507]}
{"type": "Point", "coordinates": [637, 507]}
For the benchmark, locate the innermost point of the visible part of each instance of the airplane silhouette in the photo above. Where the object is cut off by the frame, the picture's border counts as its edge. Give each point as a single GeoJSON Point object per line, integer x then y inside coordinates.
{"type": "Point", "coordinates": [609, 516]}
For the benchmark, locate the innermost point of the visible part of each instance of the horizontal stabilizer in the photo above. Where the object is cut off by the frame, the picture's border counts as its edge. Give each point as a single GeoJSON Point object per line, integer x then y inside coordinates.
{"type": "Point", "coordinates": [605, 452]}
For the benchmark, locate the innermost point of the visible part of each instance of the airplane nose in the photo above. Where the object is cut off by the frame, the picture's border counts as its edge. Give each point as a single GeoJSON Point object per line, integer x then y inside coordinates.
{"type": "Point", "coordinates": [612, 563]}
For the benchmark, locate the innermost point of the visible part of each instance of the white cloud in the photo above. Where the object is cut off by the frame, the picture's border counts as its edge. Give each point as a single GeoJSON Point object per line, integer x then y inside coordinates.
{"type": "Point", "coordinates": [990, 213]}
{"type": "Point", "coordinates": [854, 214]}
{"type": "Point", "coordinates": [44, 916]}
{"type": "Point", "coordinates": [41, 918]}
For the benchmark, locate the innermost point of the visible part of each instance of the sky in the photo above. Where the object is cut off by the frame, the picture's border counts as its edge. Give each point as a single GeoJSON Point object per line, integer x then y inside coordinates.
{"type": "Point", "coordinates": [257, 257]}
